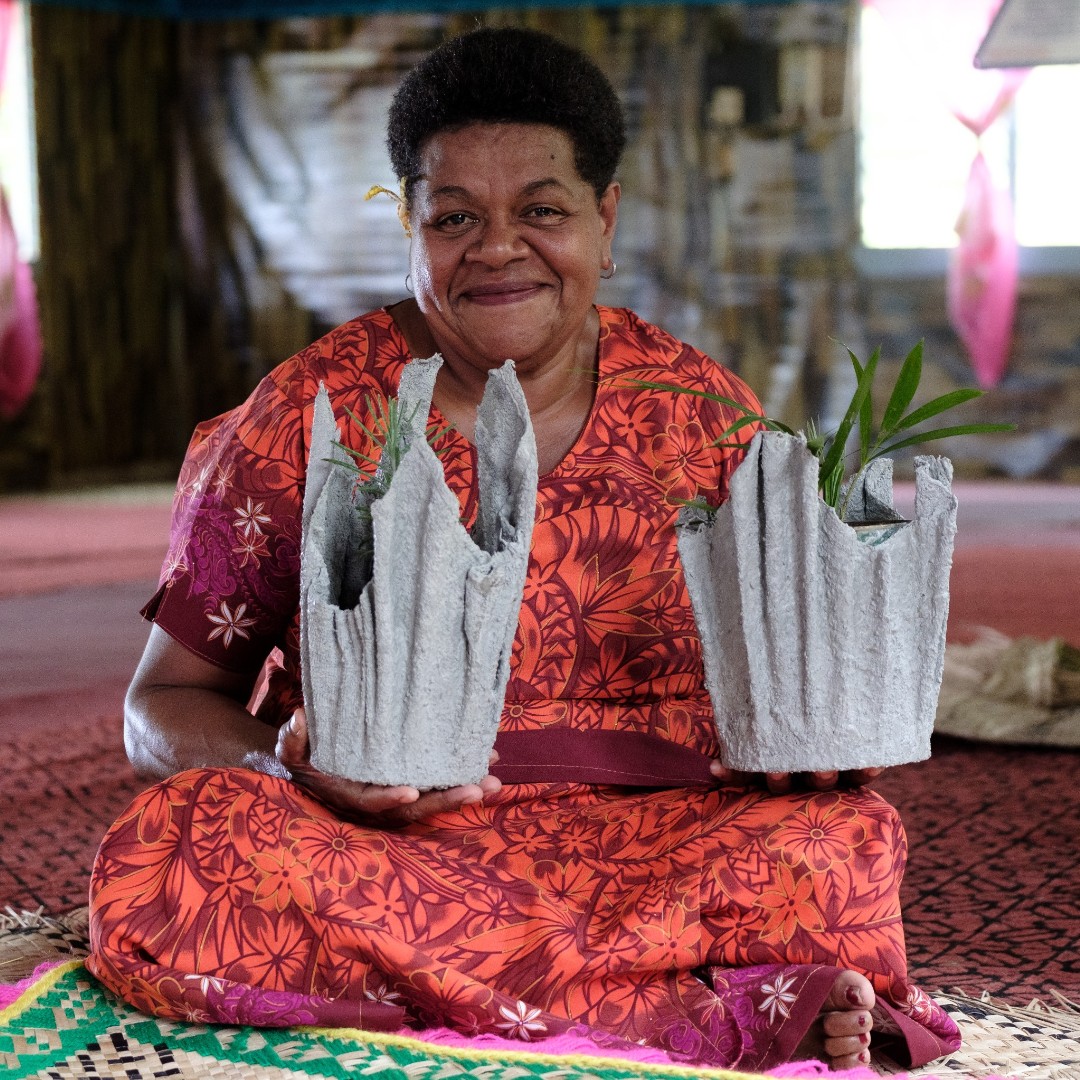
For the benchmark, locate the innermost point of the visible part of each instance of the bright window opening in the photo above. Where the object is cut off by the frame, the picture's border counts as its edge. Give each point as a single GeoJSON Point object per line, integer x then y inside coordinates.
{"type": "Point", "coordinates": [915, 156]}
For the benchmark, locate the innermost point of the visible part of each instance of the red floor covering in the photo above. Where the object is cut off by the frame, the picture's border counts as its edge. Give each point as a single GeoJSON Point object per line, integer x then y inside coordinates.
{"type": "Point", "coordinates": [992, 895]}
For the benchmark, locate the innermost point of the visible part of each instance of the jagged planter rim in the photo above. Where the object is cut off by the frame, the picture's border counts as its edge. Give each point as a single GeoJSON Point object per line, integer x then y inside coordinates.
{"type": "Point", "coordinates": [820, 652]}
{"type": "Point", "coordinates": [407, 685]}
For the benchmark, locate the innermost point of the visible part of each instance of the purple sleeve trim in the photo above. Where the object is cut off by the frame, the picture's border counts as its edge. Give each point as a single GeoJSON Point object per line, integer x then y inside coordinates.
{"type": "Point", "coordinates": [151, 611]}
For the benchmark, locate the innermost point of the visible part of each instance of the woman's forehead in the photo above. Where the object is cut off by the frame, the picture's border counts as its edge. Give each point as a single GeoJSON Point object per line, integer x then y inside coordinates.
{"type": "Point", "coordinates": [470, 157]}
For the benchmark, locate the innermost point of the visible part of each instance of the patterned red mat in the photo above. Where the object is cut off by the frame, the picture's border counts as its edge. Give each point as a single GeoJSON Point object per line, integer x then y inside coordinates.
{"type": "Point", "coordinates": [62, 786]}
{"type": "Point", "coordinates": [992, 893]}
{"type": "Point", "coordinates": [991, 898]}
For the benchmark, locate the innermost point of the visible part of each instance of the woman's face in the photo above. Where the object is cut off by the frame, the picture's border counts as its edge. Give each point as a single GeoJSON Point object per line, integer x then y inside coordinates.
{"type": "Point", "coordinates": [508, 244]}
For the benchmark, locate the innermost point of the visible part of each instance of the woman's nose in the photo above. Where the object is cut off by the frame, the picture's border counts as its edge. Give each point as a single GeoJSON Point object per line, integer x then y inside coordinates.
{"type": "Point", "coordinates": [498, 242]}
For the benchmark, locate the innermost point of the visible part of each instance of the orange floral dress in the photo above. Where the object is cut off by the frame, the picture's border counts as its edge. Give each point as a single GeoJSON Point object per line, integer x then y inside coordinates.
{"type": "Point", "coordinates": [609, 889]}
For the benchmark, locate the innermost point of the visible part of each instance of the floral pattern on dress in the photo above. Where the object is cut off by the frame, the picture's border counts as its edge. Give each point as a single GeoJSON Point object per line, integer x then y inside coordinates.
{"type": "Point", "coordinates": [606, 614]}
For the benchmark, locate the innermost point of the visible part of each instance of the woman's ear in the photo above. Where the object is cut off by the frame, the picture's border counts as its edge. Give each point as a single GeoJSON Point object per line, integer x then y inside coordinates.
{"type": "Point", "coordinates": [609, 210]}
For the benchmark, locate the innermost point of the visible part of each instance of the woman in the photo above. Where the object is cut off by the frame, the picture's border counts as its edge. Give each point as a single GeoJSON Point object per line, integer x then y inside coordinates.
{"type": "Point", "coordinates": [609, 878]}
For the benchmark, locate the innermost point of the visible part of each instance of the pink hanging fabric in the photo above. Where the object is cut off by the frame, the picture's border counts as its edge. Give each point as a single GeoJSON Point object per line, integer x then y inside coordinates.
{"type": "Point", "coordinates": [20, 334]}
{"type": "Point", "coordinates": [982, 280]}
{"type": "Point", "coordinates": [982, 277]}
{"type": "Point", "coordinates": [7, 22]}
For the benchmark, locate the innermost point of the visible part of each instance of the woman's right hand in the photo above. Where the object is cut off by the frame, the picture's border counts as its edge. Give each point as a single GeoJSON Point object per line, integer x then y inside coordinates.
{"type": "Point", "coordinates": [369, 804]}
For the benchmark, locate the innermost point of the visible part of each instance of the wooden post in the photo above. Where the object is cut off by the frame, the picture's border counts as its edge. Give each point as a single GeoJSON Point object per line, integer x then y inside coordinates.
{"type": "Point", "coordinates": [105, 93]}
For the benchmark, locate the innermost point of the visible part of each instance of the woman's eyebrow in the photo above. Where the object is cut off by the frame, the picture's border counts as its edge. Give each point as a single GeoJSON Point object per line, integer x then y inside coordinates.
{"type": "Point", "coordinates": [539, 185]}
{"type": "Point", "coordinates": [451, 191]}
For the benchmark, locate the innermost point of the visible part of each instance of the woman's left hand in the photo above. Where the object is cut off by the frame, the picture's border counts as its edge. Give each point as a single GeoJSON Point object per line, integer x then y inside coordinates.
{"type": "Point", "coordinates": [781, 783]}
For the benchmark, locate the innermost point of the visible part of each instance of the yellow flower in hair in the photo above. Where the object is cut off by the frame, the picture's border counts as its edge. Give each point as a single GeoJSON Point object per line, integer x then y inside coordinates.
{"type": "Point", "coordinates": [398, 197]}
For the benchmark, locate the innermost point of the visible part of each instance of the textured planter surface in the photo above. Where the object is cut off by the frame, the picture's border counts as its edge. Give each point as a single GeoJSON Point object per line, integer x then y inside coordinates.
{"type": "Point", "coordinates": [406, 653]}
{"type": "Point", "coordinates": [820, 652]}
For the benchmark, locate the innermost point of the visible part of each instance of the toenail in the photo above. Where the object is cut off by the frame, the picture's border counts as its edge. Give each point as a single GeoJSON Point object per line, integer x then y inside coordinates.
{"type": "Point", "coordinates": [853, 996]}
{"type": "Point", "coordinates": [864, 1057]}
{"type": "Point", "coordinates": [863, 1020]}
{"type": "Point", "coordinates": [864, 1038]}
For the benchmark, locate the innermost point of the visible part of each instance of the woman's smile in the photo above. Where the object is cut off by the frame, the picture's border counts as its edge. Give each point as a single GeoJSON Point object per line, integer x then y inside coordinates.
{"type": "Point", "coordinates": [495, 294]}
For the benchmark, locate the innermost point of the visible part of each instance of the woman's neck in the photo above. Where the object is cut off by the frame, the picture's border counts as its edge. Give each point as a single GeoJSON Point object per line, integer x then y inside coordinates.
{"type": "Point", "coordinates": [559, 392]}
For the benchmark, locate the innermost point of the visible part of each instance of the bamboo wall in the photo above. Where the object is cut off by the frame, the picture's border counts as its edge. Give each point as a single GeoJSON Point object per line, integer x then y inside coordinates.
{"type": "Point", "coordinates": [106, 97]}
{"type": "Point", "coordinates": [145, 280]}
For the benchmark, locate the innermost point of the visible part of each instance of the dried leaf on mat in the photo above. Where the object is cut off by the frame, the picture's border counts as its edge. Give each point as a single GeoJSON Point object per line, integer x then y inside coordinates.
{"type": "Point", "coordinates": [1022, 691]}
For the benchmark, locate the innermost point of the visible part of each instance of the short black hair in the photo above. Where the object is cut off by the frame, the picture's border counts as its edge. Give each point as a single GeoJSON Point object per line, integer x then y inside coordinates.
{"type": "Point", "coordinates": [508, 75]}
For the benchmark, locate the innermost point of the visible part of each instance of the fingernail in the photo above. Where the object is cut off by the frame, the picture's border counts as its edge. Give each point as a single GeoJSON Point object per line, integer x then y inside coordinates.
{"type": "Point", "coordinates": [853, 996]}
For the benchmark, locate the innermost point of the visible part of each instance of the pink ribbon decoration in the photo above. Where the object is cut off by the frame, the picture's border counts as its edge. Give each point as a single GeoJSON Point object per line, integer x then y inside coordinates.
{"type": "Point", "coordinates": [7, 21]}
{"type": "Point", "coordinates": [20, 334]}
{"type": "Point", "coordinates": [981, 284]}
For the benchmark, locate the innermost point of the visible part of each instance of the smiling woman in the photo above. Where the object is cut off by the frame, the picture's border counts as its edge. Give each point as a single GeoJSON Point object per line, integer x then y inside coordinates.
{"type": "Point", "coordinates": [609, 877]}
{"type": "Point", "coordinates": [506, 264]}
{"type": "Point", "coordinates": [506, 259]}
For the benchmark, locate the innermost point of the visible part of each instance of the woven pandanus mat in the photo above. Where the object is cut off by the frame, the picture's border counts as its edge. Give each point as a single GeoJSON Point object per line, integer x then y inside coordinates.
{"type": "Point", "coordinates": [30, 938]}
{"type": "Point", "coordinates": [74, 1029]}
{"type": "Point", "coordinates": [1038, 1042]}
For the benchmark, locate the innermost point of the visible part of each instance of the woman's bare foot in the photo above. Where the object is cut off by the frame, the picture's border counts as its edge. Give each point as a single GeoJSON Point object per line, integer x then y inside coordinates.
{"type": "Point", "coordinates": [841, 1033]}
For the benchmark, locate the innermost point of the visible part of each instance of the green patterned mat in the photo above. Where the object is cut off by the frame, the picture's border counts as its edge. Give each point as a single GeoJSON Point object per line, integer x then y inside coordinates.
{"type": "Point", "coordinates": [67, 1026]}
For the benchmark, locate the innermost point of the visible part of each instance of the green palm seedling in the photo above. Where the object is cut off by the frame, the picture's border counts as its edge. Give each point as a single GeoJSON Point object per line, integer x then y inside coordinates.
{"type": "Point", "coordinates": [387, 431]}
{"type": "Point", "coordinates": [895, 432]}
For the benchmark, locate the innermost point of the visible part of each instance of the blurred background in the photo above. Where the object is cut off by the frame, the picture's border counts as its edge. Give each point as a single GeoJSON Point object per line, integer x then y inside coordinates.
{"type": "Point", "coordinates": [186, 180]}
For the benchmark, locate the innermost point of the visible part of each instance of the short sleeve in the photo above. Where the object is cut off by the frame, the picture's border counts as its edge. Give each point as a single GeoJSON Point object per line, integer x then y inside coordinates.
{"type": "Point", "coordinates": [229, 588]}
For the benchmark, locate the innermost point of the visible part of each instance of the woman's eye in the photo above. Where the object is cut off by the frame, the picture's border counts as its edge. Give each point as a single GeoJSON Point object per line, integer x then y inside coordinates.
{"type": "Point", "coordinates": [544, 212]}
{"type": "Point", "coordinates": [453, 221]}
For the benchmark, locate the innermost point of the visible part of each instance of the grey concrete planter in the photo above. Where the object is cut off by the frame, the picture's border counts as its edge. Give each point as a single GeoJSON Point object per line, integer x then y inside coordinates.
{"type": "Point", "coordinates": [821, 651]}
{"type": "Point", "coordinates": [405, 652]}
